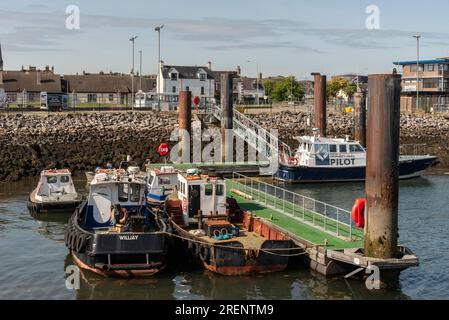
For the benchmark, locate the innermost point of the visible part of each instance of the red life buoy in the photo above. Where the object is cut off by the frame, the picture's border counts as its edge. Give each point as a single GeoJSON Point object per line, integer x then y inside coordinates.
{"type": "Point", "coordinates": [358, 212]}
{"type": "Point", "coordinates": [293, 161]}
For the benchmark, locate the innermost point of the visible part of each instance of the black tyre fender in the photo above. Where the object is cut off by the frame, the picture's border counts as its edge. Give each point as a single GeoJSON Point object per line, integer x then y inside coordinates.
{"type": "Point", "coordinates": [73, 241]}
{"type": "Point", "coordinates": [204, 253]}
{"type": "Point", "coordinates": [80, 244]}
{"type": "Point", "coordinates": [69, 239]}
{"type": "Point", "coordinates": [66, 236]}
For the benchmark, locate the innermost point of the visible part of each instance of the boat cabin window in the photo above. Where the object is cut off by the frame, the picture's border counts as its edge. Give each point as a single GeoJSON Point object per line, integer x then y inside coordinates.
{"type": "Point", "coordinates": [65, 179]}
{"type": "Point", "coordinates": [343, 148]}
{"type": "Point", "coordinates": [208, 189]}
{"type": "Point", "coordinates": [164, 180]}
{"type": "Point", "coordinates": [333, 148]}
{"type": "Point", "coordinates": [355, 148]}
{"type": "Point", "coordinates": [51, 180]}
{"type": "Point", "coordinates": [220, 190]}
{"type": "Point", "coordinates": [123, 192]}
{"type": "Point", "coordinates": [134, 194]}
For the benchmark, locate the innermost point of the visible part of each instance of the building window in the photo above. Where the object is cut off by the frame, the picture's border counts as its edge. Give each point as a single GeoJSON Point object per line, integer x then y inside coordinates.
{"type": "Point", "coordinates": [173, 76]}
{"type": "Point", "coordinates": [173, 89]}
{"type": "Point", "coordinates": [91, 97]}
{"type": "Point", "coordinates": [187, 88]}
{"type": "Point", "coordinates": [202, 90]}
{"type": "Point", "coordinates": [202, 77]}
{"type": "Point", "coordinates": [430, 67]}
{"type": "Point", "coordinates": [111, 97]}
{"type": "Point", "coordinates": [430, 83]}
{"type": "Point", "coordinates": [12, 97]}
{"type": "Point", "coordinates": [413, 68]}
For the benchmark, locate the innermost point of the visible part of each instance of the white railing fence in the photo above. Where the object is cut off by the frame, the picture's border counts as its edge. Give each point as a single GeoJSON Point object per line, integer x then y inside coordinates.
{"type": "Point", "coordinates": [330, 219]}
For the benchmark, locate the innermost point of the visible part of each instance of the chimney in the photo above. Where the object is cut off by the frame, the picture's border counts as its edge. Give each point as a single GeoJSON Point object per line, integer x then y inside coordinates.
{"type": "Point", "coordinates": [52, 69]}
{"type": "Point", "coordinates": [260, 75]}
{"type": "Point", "coordinates": [47, 68]}
{"type": "Point", "coordinates": [239, 71]}
{"type": "Point", "coordinates": [209, 65]}
{"type": "Point", "coordinates": [1, 59]}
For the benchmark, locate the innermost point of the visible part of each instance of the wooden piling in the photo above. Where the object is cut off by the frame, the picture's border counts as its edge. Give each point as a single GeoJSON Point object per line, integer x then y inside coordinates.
{"type": "Point", "coordinates": [360, 118]}
{"type": "Point", "coordinates": [227, 122]}
{"type": "Point", "coordinates": [185, 123]}
{"type": "Point", "coordinates": [320, 102]}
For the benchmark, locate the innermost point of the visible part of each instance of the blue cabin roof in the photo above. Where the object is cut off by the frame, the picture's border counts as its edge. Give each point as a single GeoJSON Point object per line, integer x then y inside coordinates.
{"type": "Point", "coordinates": [406, 63]}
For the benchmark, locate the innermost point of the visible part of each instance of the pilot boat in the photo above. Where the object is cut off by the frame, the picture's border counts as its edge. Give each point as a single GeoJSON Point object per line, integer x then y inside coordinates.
{"type": "Point", "coordinates": [113, 233]}
{"type": "Point", "coordinates": [222, 237]}
{"type": "Point", "coordinates": [320, 159]}
{"type": "Point", "coordinates": [55, 191]}
{"type": "Point", "coordinates": [161, 183]}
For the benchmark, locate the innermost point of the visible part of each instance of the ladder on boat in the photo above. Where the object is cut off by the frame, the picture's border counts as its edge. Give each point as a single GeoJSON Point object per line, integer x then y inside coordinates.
{"type": "Point", "coordinates": [264, 142]}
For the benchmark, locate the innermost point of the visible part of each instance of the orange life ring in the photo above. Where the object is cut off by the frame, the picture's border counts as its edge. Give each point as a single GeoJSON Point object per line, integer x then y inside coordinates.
{"type": "Point", "coordinates": [293, 161]}
{"type": "Point", "coordinates": [358, 212]}
{"type": "Point", "coordinates": [125, 216]}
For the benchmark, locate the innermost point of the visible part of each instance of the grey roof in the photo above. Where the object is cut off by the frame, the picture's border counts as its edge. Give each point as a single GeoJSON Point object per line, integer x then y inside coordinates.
{"type": "Point", "coordinates": [17, 81]}
{"type": "Point", "coordinates": [107, 83]}
{"type": "Point", "coordinates": [250, 83]}
{"type": "Point", "coordinates": [186, 72]}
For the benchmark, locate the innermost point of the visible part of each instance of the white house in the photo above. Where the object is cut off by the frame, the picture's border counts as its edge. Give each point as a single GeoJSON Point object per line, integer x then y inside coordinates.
{"type": "Point", "coordinates": [197, 79]}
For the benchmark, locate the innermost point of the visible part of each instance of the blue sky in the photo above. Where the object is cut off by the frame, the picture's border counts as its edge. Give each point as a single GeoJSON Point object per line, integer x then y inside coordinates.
{"type": "Point", "coordinates": [284, 36]}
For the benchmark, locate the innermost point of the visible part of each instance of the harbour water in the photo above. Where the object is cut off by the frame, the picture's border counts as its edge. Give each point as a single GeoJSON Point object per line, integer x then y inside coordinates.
{"type": "Point", "coordinates": [33, 256]}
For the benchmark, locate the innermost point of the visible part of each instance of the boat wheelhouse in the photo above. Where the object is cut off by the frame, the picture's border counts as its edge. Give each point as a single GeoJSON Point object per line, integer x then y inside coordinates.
{"type": "Point", "coordinates": [113, 233]}
{"type": "Point", "coordinates": [319, 159]}
{"type": "Point", "coordinates": [161, 183]}
{"type": "Point", "coordinates": [225, 239]}
{"type": "Point", "coordinates": [55, 191]}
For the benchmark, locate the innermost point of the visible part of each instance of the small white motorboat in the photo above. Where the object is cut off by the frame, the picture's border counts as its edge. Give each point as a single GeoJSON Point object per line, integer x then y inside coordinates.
{"type": "Point", "coordinates": [54, 192]}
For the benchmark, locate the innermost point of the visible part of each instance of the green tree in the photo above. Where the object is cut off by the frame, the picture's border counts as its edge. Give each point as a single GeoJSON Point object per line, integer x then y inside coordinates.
{"type": "Point", "coordinates": [334, 86]}
{"type": "Point", "coordinates": [283, 89]}
{"type": "Point", "coordinates": [269, 86]}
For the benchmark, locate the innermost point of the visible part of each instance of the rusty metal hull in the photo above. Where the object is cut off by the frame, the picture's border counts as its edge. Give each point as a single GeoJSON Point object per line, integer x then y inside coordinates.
{"type": "Point", "coordinates": [235, 259]}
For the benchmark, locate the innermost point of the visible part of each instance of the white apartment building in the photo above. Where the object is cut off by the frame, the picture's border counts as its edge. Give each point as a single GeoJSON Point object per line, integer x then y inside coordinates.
{"type": "Point", "coordinates": [197, 79]}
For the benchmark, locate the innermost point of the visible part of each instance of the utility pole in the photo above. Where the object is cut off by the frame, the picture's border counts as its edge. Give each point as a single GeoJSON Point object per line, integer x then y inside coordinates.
{"type": "Point", "coordinates": [257, 80]}
{"type": "Point", "coordinates": [418, 37]}
{"type": "Point", "coordinates": [140, 70]}
{"type": "Point", "coordinates": [133, 39]}
{"type": "Point", "coordinates": [158, 30]}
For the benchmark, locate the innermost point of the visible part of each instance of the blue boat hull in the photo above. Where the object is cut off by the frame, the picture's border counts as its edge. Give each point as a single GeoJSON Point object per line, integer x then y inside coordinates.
{"type": "Point", "coordinates": [407, 169]}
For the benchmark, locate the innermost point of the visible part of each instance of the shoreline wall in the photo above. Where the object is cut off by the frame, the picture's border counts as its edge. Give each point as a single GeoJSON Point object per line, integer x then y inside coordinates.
{"type": "Point", "coordinates": [32, 142]}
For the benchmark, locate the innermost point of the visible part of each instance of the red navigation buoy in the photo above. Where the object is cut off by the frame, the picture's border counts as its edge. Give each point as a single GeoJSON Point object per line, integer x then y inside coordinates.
{"type": "Point", "coordinates": [163, 149]}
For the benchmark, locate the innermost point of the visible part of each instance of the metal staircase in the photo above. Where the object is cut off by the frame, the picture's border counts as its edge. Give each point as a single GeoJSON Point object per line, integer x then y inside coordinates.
{"type": "Point", "coordinates": [267, 144]}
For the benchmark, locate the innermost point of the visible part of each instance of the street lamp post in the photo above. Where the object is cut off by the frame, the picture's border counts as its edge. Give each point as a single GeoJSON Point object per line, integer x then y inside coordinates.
{"type": "Point", "coordinates": [158, 30]}
{"type": "Point", "coordinates": [417, 37]}
{"type": "Point", "coordinates": [140, 70]}
{"type": "Point", "coordinates": [257, 81]}
{"type": "Point", "coordinates": [133, 39]}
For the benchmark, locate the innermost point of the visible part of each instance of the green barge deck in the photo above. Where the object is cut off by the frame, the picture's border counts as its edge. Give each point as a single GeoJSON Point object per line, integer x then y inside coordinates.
{"type": "Point", "coordinates": [312, 227]}
{"type": "Point", "coordinates": [331, 243]}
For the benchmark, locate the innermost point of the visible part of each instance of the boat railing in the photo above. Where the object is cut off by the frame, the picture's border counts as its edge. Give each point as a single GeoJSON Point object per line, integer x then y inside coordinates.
{"type": "Point", "coordinates": [414, 149]}
{"type": "Point", "coordinates": [325, 217]}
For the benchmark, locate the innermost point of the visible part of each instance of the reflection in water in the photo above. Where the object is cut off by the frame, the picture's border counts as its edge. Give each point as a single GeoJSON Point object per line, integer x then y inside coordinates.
{"type": "Point", "coordinates": [52, 226]}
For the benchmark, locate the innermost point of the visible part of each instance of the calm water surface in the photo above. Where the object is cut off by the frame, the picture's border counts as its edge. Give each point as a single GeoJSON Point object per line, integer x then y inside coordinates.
{"type": "Point", "coordinates": [33, 256]}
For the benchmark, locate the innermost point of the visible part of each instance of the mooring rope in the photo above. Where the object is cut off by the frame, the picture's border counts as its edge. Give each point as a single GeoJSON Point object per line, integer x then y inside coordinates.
{"type": "Point", "coordinates": [268, 251]}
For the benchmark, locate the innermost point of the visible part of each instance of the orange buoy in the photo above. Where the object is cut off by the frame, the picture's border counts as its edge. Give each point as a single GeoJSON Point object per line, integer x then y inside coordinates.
{"type": "Point", "coordinates": [358, 212]}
